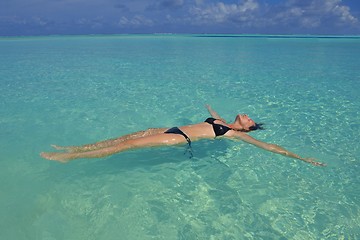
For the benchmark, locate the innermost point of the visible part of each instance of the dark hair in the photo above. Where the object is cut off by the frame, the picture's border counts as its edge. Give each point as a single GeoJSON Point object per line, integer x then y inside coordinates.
{"type": "Point", "coordinates": [256, 127]}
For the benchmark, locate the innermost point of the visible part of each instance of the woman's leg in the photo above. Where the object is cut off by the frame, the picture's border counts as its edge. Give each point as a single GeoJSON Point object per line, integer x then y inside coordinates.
{"type": "Point", "coordinates": [149, 141]}
{"type": "Point", "coordinates": [110, 142]}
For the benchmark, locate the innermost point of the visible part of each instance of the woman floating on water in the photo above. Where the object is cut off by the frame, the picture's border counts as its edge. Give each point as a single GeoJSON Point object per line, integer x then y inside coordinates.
{"type": "Point", "coordinates": [212, 127]}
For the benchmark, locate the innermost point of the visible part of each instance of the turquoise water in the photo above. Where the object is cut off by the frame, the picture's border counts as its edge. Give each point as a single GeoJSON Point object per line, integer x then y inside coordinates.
{"type": "Point", "coordinates": [82, 89]}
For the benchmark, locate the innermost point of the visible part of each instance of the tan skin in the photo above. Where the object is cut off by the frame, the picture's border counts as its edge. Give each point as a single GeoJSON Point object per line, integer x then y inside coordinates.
{"type": "Point", "coordinates": [156, 137]}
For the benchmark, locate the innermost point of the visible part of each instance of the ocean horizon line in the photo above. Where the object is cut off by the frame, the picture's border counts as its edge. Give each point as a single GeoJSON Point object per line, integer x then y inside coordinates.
{"type": "Point", "coordinates": [219, 35]}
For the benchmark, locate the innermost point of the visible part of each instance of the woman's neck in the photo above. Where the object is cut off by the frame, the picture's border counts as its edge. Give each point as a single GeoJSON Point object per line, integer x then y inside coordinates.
{"type": "Point", "coordinates": [236, 126]}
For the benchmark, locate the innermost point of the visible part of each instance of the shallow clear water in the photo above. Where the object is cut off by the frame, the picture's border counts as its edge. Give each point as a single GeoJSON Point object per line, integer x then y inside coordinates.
{"type": "Point", "coordinates": [76, 90]}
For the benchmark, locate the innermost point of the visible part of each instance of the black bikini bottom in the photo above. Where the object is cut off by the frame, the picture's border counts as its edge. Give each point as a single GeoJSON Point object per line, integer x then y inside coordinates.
{"type": "Point", "coordinates": [176, 130]}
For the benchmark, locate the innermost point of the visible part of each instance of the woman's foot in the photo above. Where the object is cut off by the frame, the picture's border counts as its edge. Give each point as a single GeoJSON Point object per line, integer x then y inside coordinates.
{"type": "Point", "coordinates": [60, 157]}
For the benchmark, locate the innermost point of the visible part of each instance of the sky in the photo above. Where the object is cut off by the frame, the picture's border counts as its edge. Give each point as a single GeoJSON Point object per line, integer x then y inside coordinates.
{"type": "Point", "coordinates": [57, 17]}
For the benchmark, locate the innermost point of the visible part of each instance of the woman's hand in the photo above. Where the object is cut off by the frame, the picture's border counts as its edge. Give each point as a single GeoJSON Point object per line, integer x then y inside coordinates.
{"type": "Point", "coordinates": [213, 113]}
{"type": "Point", "coordinates": [313, 162]}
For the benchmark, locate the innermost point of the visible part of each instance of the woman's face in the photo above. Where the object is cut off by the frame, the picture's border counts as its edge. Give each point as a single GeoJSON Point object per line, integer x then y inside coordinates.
{"type": "Point", "coordinates": [245, 121]}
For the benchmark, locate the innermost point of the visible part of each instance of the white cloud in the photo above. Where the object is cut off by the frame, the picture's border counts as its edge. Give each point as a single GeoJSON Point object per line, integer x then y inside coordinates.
{"type": "Point", "coordinates": [12, 20]}
{"type": "Point", "coordinates": [39, 21]}
{"type": "Point", "coordinates": [291, 16]}
{"type": "Point", "coordinates": [344, 13]}
{"type": "Point", "coordinates": [260, 16]}
{"type": "Point", "coordinates": [296, 11]}
{"type": "Point", "coordinates": [135, 21]}
{"type": "Point", "coordinates": [221, 12]}
{"type": "Point", "coordinates": [199, 2]}
{"type": "Point", "coordinates": [94, 23]}
{"type": "Point", "coordinates": [310, 22]}
{"type": "Point", "coordinates": [314, 13]}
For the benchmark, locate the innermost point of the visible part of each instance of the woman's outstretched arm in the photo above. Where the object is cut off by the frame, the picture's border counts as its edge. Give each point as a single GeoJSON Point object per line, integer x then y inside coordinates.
{"type": "Point", "coordinates": [213, 113]}
{"type": "Point", "coordinates": [274, 148]}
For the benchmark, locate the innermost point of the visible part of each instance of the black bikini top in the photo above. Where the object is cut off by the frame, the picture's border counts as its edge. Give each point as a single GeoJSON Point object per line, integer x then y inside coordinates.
{"type": "Point", "coordinates": [219, 129]}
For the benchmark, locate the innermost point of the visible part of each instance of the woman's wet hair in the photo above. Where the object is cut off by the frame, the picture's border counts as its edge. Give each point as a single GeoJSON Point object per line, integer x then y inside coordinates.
{"type": "Point", "coordinates": [257, 126]}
